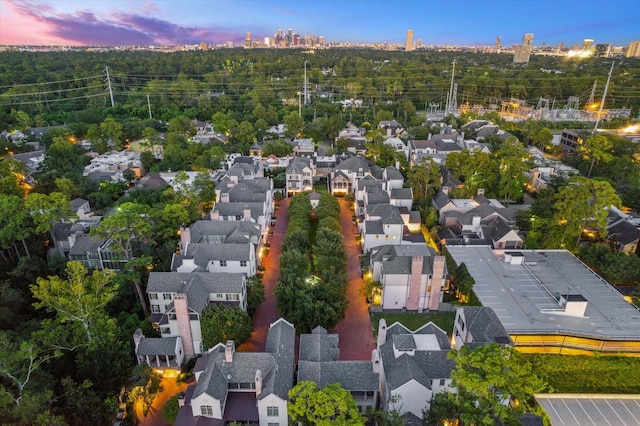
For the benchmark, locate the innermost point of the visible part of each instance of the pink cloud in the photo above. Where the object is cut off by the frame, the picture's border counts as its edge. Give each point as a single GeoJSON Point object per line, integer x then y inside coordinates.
{"type": "Point", "coordinates": [28, 23]}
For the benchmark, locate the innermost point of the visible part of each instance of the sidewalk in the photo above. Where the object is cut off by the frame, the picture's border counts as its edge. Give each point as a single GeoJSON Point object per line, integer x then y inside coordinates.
{"type": "Point", "coordinates": [356, 335]}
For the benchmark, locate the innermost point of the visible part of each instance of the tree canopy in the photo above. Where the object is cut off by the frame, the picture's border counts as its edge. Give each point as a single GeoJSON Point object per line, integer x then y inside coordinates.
{"type": "Point", "coordinates": [323, 407]}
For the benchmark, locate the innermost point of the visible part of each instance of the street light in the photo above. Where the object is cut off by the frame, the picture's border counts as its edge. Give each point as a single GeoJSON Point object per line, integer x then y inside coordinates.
{"type": "Point", "coordinates": [299, 105]}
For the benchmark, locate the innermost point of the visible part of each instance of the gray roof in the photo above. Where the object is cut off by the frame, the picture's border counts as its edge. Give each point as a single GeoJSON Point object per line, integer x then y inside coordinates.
{"type": "Point", "coordinates": [224, 228]}
{"type": "Point", "coordinates": [237, 209]}
{"type": "Point", "coordinates": [402, 265]}
{"type": "Point", "coordinates": [393, 173]}
{"type": "Point", "coordinates": [297, 165]}
{"type": "Point", "coordinates": [624, 232]}
{"type": "Point", "coordinates": [441, 200]}
{"type": "Point", "coordinates": [319, 346]}
{"type": "Point", "coordinates": [423, 366]}
{"type": "Point", "coordinates": [157, 346]}
{"type": "Point", "coordinates": [528, 290]}
{"type": "Point", "coordinates": [375, 195]}
{"type": "Point", "coordinates": [352, 164]}
{"type": "Point", "coordinates": [352, 375]}
{"type": "Point", "coordinates": [85, 244]}
{"type": "Point", "coordinates": [389, 251]}
{"type": "Point", "coordinates": [313, 196]}
{"type": "Point", "coordinates": [196, 285]}
{"type": "Point", "coordinates": [402, 194]}
{"type": "Point", "coordinates": [245, 192]}
{"type": "Point", "coordinates": [484, 325]}
{"type": "Point", "coordinates": [368, 181]}
{"type": "Point", "coordinates": [203, 253]}
{"type": "Point", "coordinates": [373, 227]}
{"type": "Point", "coordinates": [276, 366]}
{"type": "Point", "coordinates": [390, 215]}
{"type": "Point", "coordinates": [76, 203]}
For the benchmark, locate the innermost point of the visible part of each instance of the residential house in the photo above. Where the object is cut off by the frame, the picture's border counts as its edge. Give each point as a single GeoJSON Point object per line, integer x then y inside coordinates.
{"type": "Point", "coordinates": [413, 367]}
{"type": "Point", "coordinates": [178, 299]}
{"type": "Point", "coordinates": [32, 161]}
{"type": "Point", "coordinates": [382, 224]}
{"type": "Point", "coordinates": [304, 148]}
{"type": "Point", "coordinates": [158, 352]}
{"type": "Point", "coordinates": [392, 128]}
{"type": "Point", "coordinates": [217, 232]}
{"type": "Point", "coordinates": [398, 144]}
{"type": "Point", "coordinates": [96, 253]}
{"type": "Point", "coordinates": [571, 139]}
{"type": "Point", "coordinates": [346, 174]}
{"type": "Point", "coordinates": [413, 277]}
{"type": "Point", "coordinates": [256, 212]}
{"type": "Point", "coordinates": [623, 231]}
{"type": "Point", "coordinates": [356, 145]}
{"type": "Point", "coordinates": [112, 165]}
{"type": "Point", "coordinates": [217, 257]}
{"type": "Point", "coordinates": [299, 175]}
{"type": "Point", "coordinates": [244, 387]}
{"type": "Point", "coordinates": [349, 131]}
{"type": "Point", "coordinates": [443, 204]}
{"type": "Point", "coordinates": [319, 362]}
{"type": "Point", "coordinates": [81, 208]}
{"type": "Point", "coordinates": [478, 325]}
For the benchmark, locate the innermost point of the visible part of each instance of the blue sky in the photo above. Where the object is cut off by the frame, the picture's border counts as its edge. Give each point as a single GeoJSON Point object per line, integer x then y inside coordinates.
{"type": "Point", "coordinates": [101, 22]}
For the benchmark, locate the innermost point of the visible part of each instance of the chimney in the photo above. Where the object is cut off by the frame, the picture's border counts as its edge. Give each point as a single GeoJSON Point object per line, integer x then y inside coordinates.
{"type": "Point", "coordinates": [480, 191]}
{"type": "Point", "coordinates": [138, 336]}
{"type": "Point", "coordinates": [188, 265]}
{"type": "Point", "coordinates": [415, 280]}
{"type": "Point", "coordinates": [185, 237]}
{"type": "Point", "coordinates": [398, 164]}
{"type": "Point", "coordinates": [437, 282]}
{"type": "Point", "coordinates": [181, 399]}
{"type": "Point", "coordinates": [184, 324]}
{"type": "Point", "coordinates": [475, 223]}
{"type": "Point", "coordinates": [234, 180]}
{"type": "Point", "coordinates": [247, 215]}
{"type": "Point", "coordinates": [429, 138]}
{"type": "Point", "coordinates": [375, 361]}
{"type": "Point", "coordinates": [215, 215]}
{"type": "Point", "coordinates": [382, 332]}
{"type": "Point", "coordinates": [229, 349]}
{"type": "Point", "coordinates": [258, 380]}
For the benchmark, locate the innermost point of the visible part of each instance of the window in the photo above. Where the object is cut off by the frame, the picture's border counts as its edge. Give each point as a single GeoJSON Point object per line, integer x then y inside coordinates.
{"type": "Point", "coordinates": [206, 410]}
{"type": "Point", "coordinates": [442, 381]}
{"type": "Point", "coordinates": [153, 296]}
{"type": "Point", "coordinates": [165, 330]}
{"type": "Point", "coordinates": [243, 263]}
{"type": "Point", "coordinates": [155, 308]}
{"type": "Point", "coordinates": [172, 316]}
{"type": "Point", "coordinates": [223, 263]}
{"type": "Point", "coordinates": [193, 317]}
{"type": "Point", "coordinates": [273, 424]}
{"type": "Point", "coordinates": [238, 217]}
{"type": "Point", "coordinates": [272, 411]}
{"type": "Point", "coordinates": [166, 296]}
{"type": "Point", "coordinates": [219, 296]}
{"type": "Point", "coordinates": [232, 296]}
{"type": "Point", "coordinates": [386, 237]}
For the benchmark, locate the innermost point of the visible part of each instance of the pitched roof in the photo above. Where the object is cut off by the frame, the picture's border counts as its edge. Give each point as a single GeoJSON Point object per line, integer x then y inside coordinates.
{"type": "Point", "coordinates": [375, 195]}
{"type": "Point", "coordinates": [319, 346]}
{"type": "Point", "coordinates": [200, 229]}
{"type": "Point", "coordinates": [402, 194]}
{"type": "Point", "coordinates": [393, 173]}
{"type": "Point", "coordinates": [297, 165]}
{"type": "Point", "coordinates": [157, 346]}
{"type": "Point", "coordinates": [441, 200]}
{"type": "Point", "coordinates": [352, 164]}
{"type": "Point", "coordinates": [352, 375]}
{"type": "Point", "coordinates": [484, 325]}
{"type": "Point", "coordinates": [389, 215]}
{"type": "Point", "coordinates": [203, 253]}
{"type": "Point", "coordinates": [237, 209]}
{"type": "Point", "coordinates": [624, 232]}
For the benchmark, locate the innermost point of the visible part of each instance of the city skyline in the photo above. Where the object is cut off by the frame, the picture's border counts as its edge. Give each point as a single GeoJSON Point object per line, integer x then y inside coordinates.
{"type": "Point", "coordinates": [149, 22]}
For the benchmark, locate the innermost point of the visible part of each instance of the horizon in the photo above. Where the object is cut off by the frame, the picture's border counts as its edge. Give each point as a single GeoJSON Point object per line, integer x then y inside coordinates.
{"type": "Point", "coordinates": [169, 23]}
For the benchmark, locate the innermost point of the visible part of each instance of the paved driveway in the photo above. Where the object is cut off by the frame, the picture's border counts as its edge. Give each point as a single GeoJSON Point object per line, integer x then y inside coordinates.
{"type": "Point", "coordinates": [267, 313]}
{"type": "Point", "coordinates": [356, 335]}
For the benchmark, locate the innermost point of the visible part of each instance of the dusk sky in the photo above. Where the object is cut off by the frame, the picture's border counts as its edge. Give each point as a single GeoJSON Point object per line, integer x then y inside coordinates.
{"type": "Point", "coordinates": [435, 22]}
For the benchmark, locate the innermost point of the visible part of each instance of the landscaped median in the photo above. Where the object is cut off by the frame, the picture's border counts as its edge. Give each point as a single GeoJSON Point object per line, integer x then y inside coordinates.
{"type": "Point", "coordinates": [311, 288]}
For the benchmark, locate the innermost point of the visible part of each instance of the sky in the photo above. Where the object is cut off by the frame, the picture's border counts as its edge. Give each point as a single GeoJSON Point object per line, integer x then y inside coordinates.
{"type": "Point", "coordinates": [434, 22]}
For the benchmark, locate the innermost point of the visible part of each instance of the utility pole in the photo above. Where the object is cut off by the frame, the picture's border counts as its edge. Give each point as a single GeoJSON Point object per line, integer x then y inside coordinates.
{"type": "Point", "coordinates": [306, 96]}
{"type": "Point", "coordinates": [450, 97]}
{"type": "Point", "coordinates": [299, 105]}
{"type": "Point", "coordinates": [149, 105]}
{"type": "Point", "coordinates": [108, 80]}
{"type": "Point", "coordinates": [604, 95]}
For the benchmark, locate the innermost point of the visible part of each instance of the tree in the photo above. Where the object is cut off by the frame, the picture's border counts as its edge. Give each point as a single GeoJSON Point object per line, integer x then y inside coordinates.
{"type": "Point", "coordinates": [112, 130]}
{"type": "Point", "coordinates": [148, 385]}
{"type": "Point", "coordinates": [294, 124]}
{"type": "Point", "coordinates": [424, 179]}
{"type": "Point", "coordinates": [14, 223]}
{"type": "Point", "coordinates": [48, 209]}
{"type": "Point", "coordinates": [618, 268]}
{"type": "Point", "coordinates": [490, 375]}
{"type": "Point", "coordinates": [330, 405]}
{"type": "Point", "coordinates": [542, 138]}
{"type": "Point", "coordinates": [128, 224]}
{"type": "Point", "coordinates": [512, 159]}
{"type": "Point", "coordinates": [279, 148]}
{"type": "Point", "coordinates": [18, 361]}
{"type": "Point", "coordinates": [582, 202]}
{"type": "Point", "coordinates": [596, 148]}
{"type": "Point", "coordinates": [220, 323]}
{"type": "Point", "coordinates": [78, 299]}
{"type": "Point", "coordinates": [255, 294]}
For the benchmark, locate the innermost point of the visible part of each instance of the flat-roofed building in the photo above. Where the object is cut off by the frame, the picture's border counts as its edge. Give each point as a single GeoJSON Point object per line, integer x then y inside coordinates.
{"type": "Point", "coordinates": [549, 301]}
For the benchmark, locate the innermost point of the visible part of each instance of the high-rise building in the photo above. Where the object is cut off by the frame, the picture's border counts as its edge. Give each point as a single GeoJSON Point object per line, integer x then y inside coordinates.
{"type": "Point", "coordinates": [289, 37]}
{"type": "Point", "coordinates": [247, 41]}
{"type": "Point", "coordinates": [267, 41]}
{"type": "Point", "coordinates": [204, 46]}
{"type": "Point", "coordinates": [408, 44]}
{"type": "Point", "coordinates": [603, 50]}
{"type": "Point", "coordinates": [587, 44]}
{"type": "Point", "coordinates": [634, 50]}
{"type": "Point", "coordinates": [523, 52]}
{"type": "Point", "coordinates": [498, 44]}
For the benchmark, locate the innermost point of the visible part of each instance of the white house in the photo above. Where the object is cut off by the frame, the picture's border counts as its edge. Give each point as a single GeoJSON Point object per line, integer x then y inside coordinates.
{"type": "Point", "coordinates": [299, 175]}
{"type": "Point", "coordinates": [217, 257]}
{"type": "Point", "coordinates": [245, 387]}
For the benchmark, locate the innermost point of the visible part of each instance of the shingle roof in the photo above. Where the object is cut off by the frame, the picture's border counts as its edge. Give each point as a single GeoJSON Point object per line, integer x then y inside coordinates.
{"type": "Point", "coordinates": [157, 346]}
{"type": "Point", "coordinates": [402, 194]}
{"type": "Point", "coordinates": [319, 346]}
{"type": "Point", "coordinates": [352, 375]}
{"type": "Point", "coordinates": [372, 227]}
{"type": "Point", "coordinates": [390, 215]}
{"type": "Point", "coordinates": [375, 195]}
{"type": "Point", "coordinates": [237, 209]}
{"type": "Point", "coordinates": [297, 165]}
{"type": "Point", "coordinates": [224, 228]}
{"type": "Point", "coordinates": [624, 232]}
{"type": "Point", "coordinates": [352, 164]}
{"type": "Point", "coordinates": [484, 325]}
{"type": "Point", "coordinates": [393, 173]}
{"type": "Point", "coordinates": [441, 200]}
{"type": "Point", "coordinates": [281, 343]}
{"type": "Point", "coordinates": [203, 253]}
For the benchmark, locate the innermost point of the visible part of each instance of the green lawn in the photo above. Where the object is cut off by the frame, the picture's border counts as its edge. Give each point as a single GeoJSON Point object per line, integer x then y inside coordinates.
{"type": "Point", "coordinates": [413, 321]}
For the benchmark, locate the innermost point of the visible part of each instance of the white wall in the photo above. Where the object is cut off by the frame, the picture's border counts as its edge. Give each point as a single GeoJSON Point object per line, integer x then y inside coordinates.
{"type": "Point", "coordinates": [394, 291]}
{"type": "Point", "coordinates": [273, 401]}
{"type": "Point", "coordinates": [205, 399]}
{"type": "Point", "coordinates": [412, 397]}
